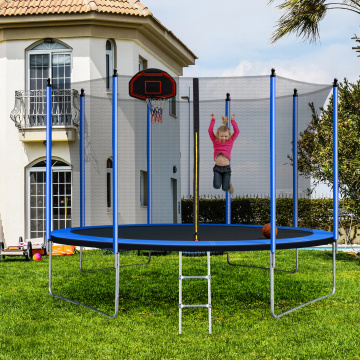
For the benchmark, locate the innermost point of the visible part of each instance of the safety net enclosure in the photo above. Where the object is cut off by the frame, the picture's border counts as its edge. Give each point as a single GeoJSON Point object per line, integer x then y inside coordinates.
{"type": "Point", "coordinates": [173, 146]}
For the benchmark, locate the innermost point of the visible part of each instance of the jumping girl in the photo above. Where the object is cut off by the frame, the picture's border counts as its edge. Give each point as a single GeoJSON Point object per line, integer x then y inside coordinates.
{"type": "Point", "coordinates": [223, 142]}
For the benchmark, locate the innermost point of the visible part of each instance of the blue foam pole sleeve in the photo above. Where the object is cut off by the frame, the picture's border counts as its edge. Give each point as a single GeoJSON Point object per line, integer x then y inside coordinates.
{"type": "Point", "coordinates": [335, 164]}
{"type": "Point", "coordinates": [295, 162]}
{"type": "Point", "coordinates": [149, 166]}
{"type": "Point", "coordinates": [227, 195]}
{"type": "Point", "coordinates": [272, 165]}
{"type": "Point", "coordinates": [48, 159]}
{"type": "Point", "coordinates": [82, 158]}
{"type": "Point", "coordinates": [115, 165]}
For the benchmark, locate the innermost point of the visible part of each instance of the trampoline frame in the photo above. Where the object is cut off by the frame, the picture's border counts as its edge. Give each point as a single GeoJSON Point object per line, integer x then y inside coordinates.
{"type": "Point", "coordinates": [196, 223]}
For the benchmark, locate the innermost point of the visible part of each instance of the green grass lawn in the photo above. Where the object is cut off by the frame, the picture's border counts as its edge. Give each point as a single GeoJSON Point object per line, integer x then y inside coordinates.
{"type": "Point", "coordinates": [35, 325]}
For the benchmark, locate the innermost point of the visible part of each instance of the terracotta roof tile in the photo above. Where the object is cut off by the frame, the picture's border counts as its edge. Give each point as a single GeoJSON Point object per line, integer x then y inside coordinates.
{"type": "Point", "coordinates": [29, 7]}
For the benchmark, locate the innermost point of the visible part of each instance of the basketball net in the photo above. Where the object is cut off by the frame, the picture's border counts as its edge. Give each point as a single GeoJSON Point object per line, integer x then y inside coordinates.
{"type": "Point", "coordinates": [156, 106]}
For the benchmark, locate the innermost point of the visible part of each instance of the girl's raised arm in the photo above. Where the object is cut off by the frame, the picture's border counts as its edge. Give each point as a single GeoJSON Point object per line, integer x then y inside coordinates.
{"type": "Point", "coordinates": [236, 128]}
{"type": "Point", "coordinates": [211, 128]}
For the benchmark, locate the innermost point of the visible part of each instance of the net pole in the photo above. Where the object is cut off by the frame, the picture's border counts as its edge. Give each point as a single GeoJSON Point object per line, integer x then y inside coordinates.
{"type": "Point", "coordinates": [115, 163]}
{"type": "Point", "coordinates": [335, 161]}
{"type": "Point", "coordinates": [189, 158]}
{"type": "Point", "coordinates": [272, 191]}
{"type": "Point", "coordinates": [227, 194]}
{"type": "Point", "coordinates": [295, 159]}
{"type": "Point", "coordinates": [48, 158]}
{"type": "Point", "coordinates": [82, 157]}
{"type": "Point", "coordinates": [196, 156]}
{"type": "Point", "coordinates": [149, 166]}
{"type": "Point", "coordinates": [272, 163]}
{"type": "Point", "coordinates": [82, 165]}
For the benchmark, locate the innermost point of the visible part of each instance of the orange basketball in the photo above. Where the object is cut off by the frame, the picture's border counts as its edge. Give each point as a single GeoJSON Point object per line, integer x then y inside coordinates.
{"type": "Point", "coordinates": [266, 230]}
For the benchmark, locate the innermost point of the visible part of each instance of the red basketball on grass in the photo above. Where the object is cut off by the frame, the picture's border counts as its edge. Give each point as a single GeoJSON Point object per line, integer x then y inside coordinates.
{"type": "Point", "coordinates": [266, 230]}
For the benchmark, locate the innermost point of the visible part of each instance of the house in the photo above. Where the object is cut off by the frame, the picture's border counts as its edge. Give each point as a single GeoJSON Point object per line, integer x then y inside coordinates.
{"type": "Point", "coordinates": [76, 44]}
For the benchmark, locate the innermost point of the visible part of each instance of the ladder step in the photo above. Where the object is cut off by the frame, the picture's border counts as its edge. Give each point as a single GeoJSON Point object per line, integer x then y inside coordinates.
{"type": "Point", "coordinates": [195, 306]}
{"type": "Point", "coordinates": [195, 277]}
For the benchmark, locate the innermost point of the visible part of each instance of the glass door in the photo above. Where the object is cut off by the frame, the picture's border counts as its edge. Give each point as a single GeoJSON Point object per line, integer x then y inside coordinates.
{"type": "Point", "coordinates": [61, 198]}
{"type": "Point", "coordinates": [37, 204]}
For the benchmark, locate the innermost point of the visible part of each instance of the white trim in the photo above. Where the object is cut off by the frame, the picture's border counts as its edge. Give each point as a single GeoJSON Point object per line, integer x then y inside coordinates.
{"type": "Point", "coordinates": [36, 43]}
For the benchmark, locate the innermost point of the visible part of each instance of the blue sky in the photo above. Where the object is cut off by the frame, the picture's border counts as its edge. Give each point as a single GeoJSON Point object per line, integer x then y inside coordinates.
{"type": "Point", "coordinates": [232, 38]}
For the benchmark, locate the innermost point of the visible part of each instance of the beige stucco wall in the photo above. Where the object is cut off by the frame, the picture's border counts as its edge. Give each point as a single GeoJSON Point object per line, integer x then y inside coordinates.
{"type": "Point", "coordinates": [13, 155]}
{"type": "Point", "coordinates": [88, 62]}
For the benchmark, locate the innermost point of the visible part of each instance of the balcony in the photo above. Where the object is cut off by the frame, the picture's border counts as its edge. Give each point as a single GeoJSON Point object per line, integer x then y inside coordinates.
{"type": "Point", "coordinates": [29, 115]}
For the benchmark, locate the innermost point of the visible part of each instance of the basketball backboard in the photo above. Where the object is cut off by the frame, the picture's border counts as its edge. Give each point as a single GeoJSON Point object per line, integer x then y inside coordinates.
{"type": "Point", "coordinates": [152, 83]}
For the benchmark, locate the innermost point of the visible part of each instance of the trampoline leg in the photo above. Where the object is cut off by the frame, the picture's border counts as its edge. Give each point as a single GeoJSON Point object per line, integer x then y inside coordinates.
{"type": "Point", "coordinates": [180, 292]}
{"type": "Point", "coordinates": [181, 305]}
{"type": "Point", "coordinates": [209, 291]}
{"type": "Point", "coordinates": [266, 268]}
{"type": "Point", "coordinates": [107, 268]}
{"type": "Point", "coordinates": [272, 286]}
{"type": "Point", "coordinates": [117, 280]}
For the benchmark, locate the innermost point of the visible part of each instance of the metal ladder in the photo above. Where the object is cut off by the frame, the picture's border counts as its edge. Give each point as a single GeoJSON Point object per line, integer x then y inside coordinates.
{"type": "Point", "coordinates": [181, 278]}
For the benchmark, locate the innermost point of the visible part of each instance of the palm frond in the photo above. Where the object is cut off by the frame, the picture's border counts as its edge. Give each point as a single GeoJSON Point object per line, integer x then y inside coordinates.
{"type": "Point", "coordinates": [301, 17]}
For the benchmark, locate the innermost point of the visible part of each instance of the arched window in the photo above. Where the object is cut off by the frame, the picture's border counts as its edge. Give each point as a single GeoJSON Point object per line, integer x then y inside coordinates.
{"type": "Point", "coordinates": [109, 171]}
{"type": "Point", "coordinates": [109, 64]}
{"type": "Point", "coordinates": [61, 197]}
{"type": "Point", "coordinates": [49, 59]}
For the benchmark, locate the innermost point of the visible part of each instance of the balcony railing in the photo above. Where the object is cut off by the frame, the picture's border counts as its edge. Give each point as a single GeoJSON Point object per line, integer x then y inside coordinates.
{"type": "Point", "coordinates": [30, 108]}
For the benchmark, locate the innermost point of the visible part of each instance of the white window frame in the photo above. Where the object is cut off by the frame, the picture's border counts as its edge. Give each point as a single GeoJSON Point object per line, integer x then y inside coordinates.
{"type": "Point", "coordinates": [143, 63]}
{"type": "Point", "coordinates": [109, 171]}
{"type": "Point", "coordinates": [110, 54]}
{"type": "Point", "coordinates": [31, 168]}
{"type": "Point", "coordinates": [49, 52]}
{"type": "Point", "coordinates": [172, 107]}
{"type": "Point", "coordinates": [143, 188]}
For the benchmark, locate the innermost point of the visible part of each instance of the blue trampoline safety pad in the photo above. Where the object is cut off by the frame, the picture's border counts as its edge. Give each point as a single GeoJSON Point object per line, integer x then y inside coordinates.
{"type": "Point", "coordinates": [179, 237]}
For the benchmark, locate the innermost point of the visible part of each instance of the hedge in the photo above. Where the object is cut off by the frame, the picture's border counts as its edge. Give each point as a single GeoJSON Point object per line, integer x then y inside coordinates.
{"type": "Point", "coordinates": [312, 213]}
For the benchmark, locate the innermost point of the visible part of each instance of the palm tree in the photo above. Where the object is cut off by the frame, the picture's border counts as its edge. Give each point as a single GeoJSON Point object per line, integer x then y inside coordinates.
{"type": "Point", "coordinates": [302, 17]}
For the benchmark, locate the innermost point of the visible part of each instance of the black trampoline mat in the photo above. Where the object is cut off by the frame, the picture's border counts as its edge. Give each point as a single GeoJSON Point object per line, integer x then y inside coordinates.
{"type": "Point", "coordinates": [185, 233]}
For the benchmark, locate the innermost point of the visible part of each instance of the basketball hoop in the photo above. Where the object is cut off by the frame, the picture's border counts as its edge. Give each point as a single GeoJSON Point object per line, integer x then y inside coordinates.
{"type": "Point", "coordinates": [156, 106]}
{"type": "Point", "coordinates": [154, 86]}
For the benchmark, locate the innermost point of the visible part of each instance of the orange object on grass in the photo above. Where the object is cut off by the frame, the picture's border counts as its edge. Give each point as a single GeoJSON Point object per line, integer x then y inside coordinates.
{"type": "Point", "coordinates": [63, 250]}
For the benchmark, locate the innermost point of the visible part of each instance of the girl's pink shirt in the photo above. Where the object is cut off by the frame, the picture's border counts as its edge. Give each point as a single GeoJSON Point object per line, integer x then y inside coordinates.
{"type": "Point", "coordinates": [225, 147]}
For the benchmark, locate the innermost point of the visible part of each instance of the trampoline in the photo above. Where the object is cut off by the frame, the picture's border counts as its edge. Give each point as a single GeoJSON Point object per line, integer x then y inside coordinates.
{"type": "Point", "coordinates": [179, 237]}
{"type": "Point", "coordinates": [195, 237]}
